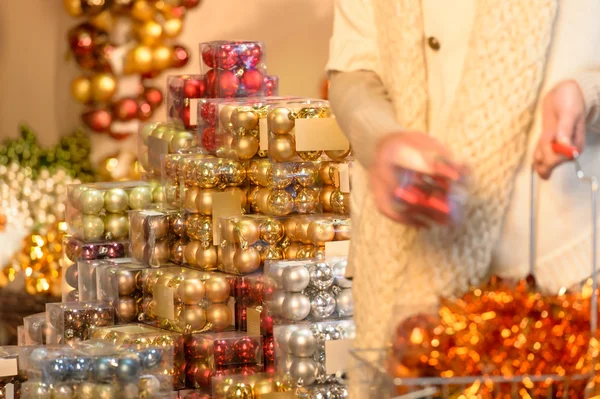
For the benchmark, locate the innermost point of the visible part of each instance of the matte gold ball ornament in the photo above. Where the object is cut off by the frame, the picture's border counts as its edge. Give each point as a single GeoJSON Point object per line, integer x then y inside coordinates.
{"type": "Point", "coordinates": [219, 316]}
{"type": "Point", "coordinates": [247, 261]}
{"type": "Point", "coordinates": [243, 118]}
{"type": "Point", "coordinates": [245, 146]}
{"type": "Point", "coordinates": [81, 89]}
{"type": "Point", "coordinates": [281, 121]}
{"type": "Point", "coordinates": [73, 7]}
{"type": "Point", "coordinates": [103, 86]}
{"type": "Point", "coordinates": [282, 147]}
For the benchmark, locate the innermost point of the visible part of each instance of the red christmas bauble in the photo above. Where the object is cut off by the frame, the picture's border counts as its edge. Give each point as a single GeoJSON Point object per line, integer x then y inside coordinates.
{"type": "Point", "coordinates": [119, 135]}
{"type": "Point", "coordinates": [245, 349]}
{"type": "Point", "coordinates": [271, 86]}
{"type": "Point", "coordinates": [266, 323]}
{"type": "Point", "coordinates": [154, 96]}
{"type": "Point", "coordinates": [208, 113]}
{"type": "Point", "coordinates": [211, 83]}
{"type": "Point", "coordinates": [125, 109]}
{"type": "Point", "coordinates": [99, 120]}
{"type": "Point", "coordinates": [185, 115]}
{"type": "Point", "coordinates": [208, 56]}
{"type": "Point", "coordinates": [223, 352]}
{"type": "Point", "coordinates": [194, 88]}
{"type": "Point", "coordinates": [197, 348]}
{"type": "Point", "coordinates": [226, 56]}
{"type": "Point", "coordinates": [82, 39]}
{"type": "Point", "coordinates": [270, 368]}
{"type": "Point", "coordinates": [208, 139]}
{"type": "Point", "coordinates": [228, 84]}
{"type": "Point", "coordinates": [269, 347]}
{"type": "Point", "coordinates": [144, 111]}
{"type": "Point", "coordinates": [241, 288]}
{"type": "Point", "coordinates": [181, 56]}
{"type": "Point", "coordinates": [190, 3]}
{"type": "Point", "coordinates": [255, 292]}
{"type": "Point", "coordinates": [252, 81]}
{"type": "Point", "coordinates": [150, 74]}
{"type": "Point", "coordinates": [250, 55]}
{"type": "Point", "coordinates": [240, 316]}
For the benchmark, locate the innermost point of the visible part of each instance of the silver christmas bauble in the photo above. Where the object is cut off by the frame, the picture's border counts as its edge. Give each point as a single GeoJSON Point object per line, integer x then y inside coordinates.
{"type": "Point", "coordinates": [318, 393]}
{"type": "Point", "coordinates": [321, 276]}
{"type": "Point", "coordinates": [303, 371]}
{"type": "Point", "coordinates": [302, 343]}
{"type": "Point", "coordinates": [339, 271]}
{"type": "Point", "coordinates": [295, 307]}
{"type": "Point", "coordinates": [282, 336]}
{"type": "Point", "coordinates": [322, 305]}
{"type": "Point", "coordinates": [295, 278]}
{"type": "Point", "coordinates": [344, 304]}
{"type": "Point", "coordinates": [275, 302]}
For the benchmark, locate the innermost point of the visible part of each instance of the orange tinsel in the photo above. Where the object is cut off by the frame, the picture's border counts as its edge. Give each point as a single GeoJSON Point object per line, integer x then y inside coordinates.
{"type": "Point", "coordinates": [501, 330]}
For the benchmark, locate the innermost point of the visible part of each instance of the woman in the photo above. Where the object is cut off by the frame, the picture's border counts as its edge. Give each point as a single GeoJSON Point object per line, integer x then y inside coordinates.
{"type": "Point", "coordinates": [490, 85]}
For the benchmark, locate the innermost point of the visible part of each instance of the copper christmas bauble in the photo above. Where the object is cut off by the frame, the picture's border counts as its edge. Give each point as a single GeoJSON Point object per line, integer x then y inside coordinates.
{"type": "Point", "coordinates": [192, 318]}
{"type": "Point", "coordinates": [127, 309]}
{"type": "Point", "coordinates": [191, 291]}
{"type": "Point", "coordinates": [247, 260]}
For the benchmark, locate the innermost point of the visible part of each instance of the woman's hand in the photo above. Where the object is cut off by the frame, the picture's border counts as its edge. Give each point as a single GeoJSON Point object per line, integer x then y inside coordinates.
{"type": "Point", "coordinates": [410, 179]}
{"type": "Point", "coordinates": [563, 120]}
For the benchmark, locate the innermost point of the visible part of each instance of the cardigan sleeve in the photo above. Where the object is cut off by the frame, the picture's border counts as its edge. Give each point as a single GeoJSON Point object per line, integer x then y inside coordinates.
{"type": "Point", "coordinates": [589, 82]}
{"type": "Point", "coordinates": [363, 110]}
{"type": "Point", "coordinates": [353, 46]}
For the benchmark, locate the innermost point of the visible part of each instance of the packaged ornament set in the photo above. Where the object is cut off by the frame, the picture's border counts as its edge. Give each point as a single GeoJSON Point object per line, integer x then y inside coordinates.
{"type": "Point", "coordinates": [221, 273]}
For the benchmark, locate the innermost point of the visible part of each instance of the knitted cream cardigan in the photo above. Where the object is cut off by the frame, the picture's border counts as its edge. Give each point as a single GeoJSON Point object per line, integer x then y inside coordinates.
{"type": "Point", "coordinates": [491, 116]}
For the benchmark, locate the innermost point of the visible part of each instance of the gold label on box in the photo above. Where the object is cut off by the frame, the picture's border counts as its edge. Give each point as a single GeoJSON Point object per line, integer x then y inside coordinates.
{"type": "Point", "coordinates": [319, 134]}
{"type": "Point", "coordinates": [252, 321]}
{"type": "Point", "coordinates": [165, 303]}
{"type": "Point", "coordinates": [336, 249]}
{"type": "Point", "coordinates": [337, 355]}
{"type": "Point", "coordinates": [156, 149]}
{"type": "Point", "coordinates": [194, 111]}
{"type": "Point", "coordinates": [224, 205]}
{"type": "Point", "coordinates": [9, 367]}
{"type": "Point", "coordinates": [263, 134]}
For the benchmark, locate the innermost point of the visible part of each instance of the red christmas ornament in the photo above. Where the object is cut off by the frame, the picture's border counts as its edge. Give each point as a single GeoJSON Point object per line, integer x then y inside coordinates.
{"type": "Point", "coordinates": [208, 139]}
{"type": "Point", "coordinates": [255, 292]}
{"type": "Point", "coordinates": [226, 56]}
{"type": "Point", "coordinates": [270, 368]}
{"type": "Point", "coordinates": [197, 348]}
{"type": "Point", "coordinates": [125, 109]}
{"type": "Point", "coordinates": [154, 96]}
{"type": "Point", "coordinates": [119, 135]}
{"type": "Point", "coordinates": [82, 39]}
{"type": "Point", "coordinates": [150, 74]}
{"type": "Point", "coordinates": [250, 55]}
{"type": "Point", "coordinates": [181, 56]}
{"type": "Point", "coordinates": [223, 352]}
{"type": "Point", "coordinates": [271, 85]}
{"type": "Point", "coordinates": [245, 349]}
{"type": "Point", "coordinates": [99, 120]}
{"type": "Point", "coordinates": [266, 323]}
{"type": "Point", "coordinates": [208, 56]}
{"type": "Point", "coordinates": [211, 83]}
{"type": "Point", "coordinates": [241, 288]}
{"type": "Point", "coordinates": [194, 88]}
{"type": "Point", "coordinates": [252, 81]}
{"type": "Point", "coordinates": [190, 3]}
{"type": "Point", "coordinates": [269, 347]}
{"type": "Point", "coordinates": [144, 110]}
{"type": "Point", "coordinates": [208, 113]}
{"type": "Point", "coordinates": [228, 84]}
{"type": "Point", "coordinates": [199, 374]}
{"type": "Point", "coordinates": [186, 115]}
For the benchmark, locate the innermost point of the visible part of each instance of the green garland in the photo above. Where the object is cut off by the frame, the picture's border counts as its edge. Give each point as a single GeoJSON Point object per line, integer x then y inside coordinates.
{"type": "Point", "coordinates": [71, 153]}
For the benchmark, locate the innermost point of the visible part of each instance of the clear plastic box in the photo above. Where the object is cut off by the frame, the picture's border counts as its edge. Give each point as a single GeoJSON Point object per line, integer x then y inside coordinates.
{"type": "Point", "coordinates": [151, 235]}
{"type": "Point", "coordinates": [98, 212]}
{"type": "Point", "coordinates": [156, 139]}
{"type": "Point", "coordinates": [305, 130]}
{"type": "Point", "coordinates": [69, 323]}
{"type": "Point", "coordinates": [75, 250]}
{"type": "Point", "coordinates": [314, 353]}
{"type": "Point", "coordinates": [308, 290]}
{"type": "Point", "coordinates": [140, 334]}
{"type": "Point", "coordinates": [260, 385]}
{"type": "Point", "coordinates": [220, 353]}
{"type": "Point", "coordinates": [187, 300]}
{"type": "Point", "coordinates": [34, 329]}
{"type": "Point", "coordinates": [234, 69]}
{"type": "Point", "coordinates": [249, 241]}
{"type": "Point", "coordinates": [183, 94]}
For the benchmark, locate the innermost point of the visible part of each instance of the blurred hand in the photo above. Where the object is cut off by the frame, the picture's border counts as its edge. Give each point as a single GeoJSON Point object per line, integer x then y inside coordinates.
{"type": "Point", "coordinates": [410, 179]}
{"type": "Point", "coordinates": [563, 120]}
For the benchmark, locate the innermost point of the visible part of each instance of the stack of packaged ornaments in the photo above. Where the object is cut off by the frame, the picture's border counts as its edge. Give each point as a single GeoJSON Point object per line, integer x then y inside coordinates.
{"type": "Point", "coordinates": [234, 265]}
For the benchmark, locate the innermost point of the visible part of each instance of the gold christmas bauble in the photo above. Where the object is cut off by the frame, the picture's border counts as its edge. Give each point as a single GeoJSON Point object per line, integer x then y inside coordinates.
{"type": "Point", "coordinates": [325, 198]}
{"type": "Point", "coordinates": [327, 173]}
{"type": "Point", "coordinates": [306, 174]}
{"type": "Point", "coordinates": [103, 87]}
{"type": "Point", "coordinates": [244, 118]}
{"type": "Point", "coordinates": [140, 60]}
{"type": "Point", "coordinates": [182, 141]}
{"type": "Point", "coordinates": [190, 252]}
{"type": "Point", "coordinates": [189, 199]}
{"type": "Point", "coordinates": [291, 251]}
{"type": "Point", "coordinates": [247, 261]}
{"type": "Point", "coordinates": [259, 172]}
{"type": "Point", "coordinates": [280, 203]}
{"type": "Point", "coordinates": [240, 391]}
{"type": "Point", "coordinates": [73, 7]}
{"type": "Point", "coordinates": [246, 231]}
{"type": "Point", "coordinates": [142, 10]}
{"type": "Point", "coordinates": [162, 57]}
{"type": "Point", "coordinates": [172, 27]}
{"type": "Point", "coordinates": [262, 200]}
{"type": "Point", "coordinates": [191, 291]}
{"type": "Point", "coordinates": [245, 146]}
{"type": "Point", "coordinates": [217, 289]}
{"type": "Point", "coordinates": [150, 32]}
{"type": "Point", "coordinates": [81, 89]}
{"type": "Point", "coordinates": [103, 21]}
{"type": "Point", "coordinates": [280, 120]}
{"type": "Point", "coordinates": [264, 387]}
{"type": "Point", "coordinates": [321, 232]}
{"type": "Point", "coordinates": [204, 201]}
{"type": "Point", "coordinates": [339, 155]}
{"type": "Point", "coordinates": [307, 200]}
{"type": "Point", "coordinates": [225, 116]}
{"type": "Point", "coordinates": [340, 202]}
{"type": "Point", "coordinates": [220, 316]}
{"type": "Point", "coordinates": [192, 318]}
{"type": "Point", "coordinates": [282, 175]}
{"type": "Point", "coordinates": [289, 226]}
{"type": "Point", "coordinates": [206, 258]}
{"type": "Point", "coordinates": [282, 147]}
{"type": "Point", "coordinates": [302, 231]}
{"type": "Point", "coordinates": [271, 231]}
{"type": "Point", "coordinates": [342, 232]}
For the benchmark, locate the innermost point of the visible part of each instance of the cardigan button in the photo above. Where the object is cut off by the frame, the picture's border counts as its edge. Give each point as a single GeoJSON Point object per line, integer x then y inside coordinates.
{"type": "Point", "coordinates": [434, 44]}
